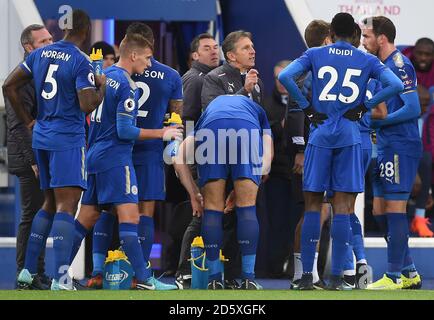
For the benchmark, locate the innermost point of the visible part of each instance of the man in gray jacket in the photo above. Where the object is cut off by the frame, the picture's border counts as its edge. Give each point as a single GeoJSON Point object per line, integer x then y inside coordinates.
{"type": "Point", "coordinates": [21, 161]}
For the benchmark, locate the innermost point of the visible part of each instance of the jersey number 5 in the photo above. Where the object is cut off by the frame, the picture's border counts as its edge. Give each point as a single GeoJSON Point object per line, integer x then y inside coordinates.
{"type": "Point", "coordinates": [49, 79]}
{"type": "Point", "coordinates": [326, 96]}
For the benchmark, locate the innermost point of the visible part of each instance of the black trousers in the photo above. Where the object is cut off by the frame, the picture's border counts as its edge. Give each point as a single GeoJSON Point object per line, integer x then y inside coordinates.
{"type": "Point", "coordinates": [32, 199]}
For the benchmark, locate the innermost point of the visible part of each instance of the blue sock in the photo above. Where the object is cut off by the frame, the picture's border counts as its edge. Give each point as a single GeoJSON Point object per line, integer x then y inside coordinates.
{"type": "Point", "coordinates": [131, 246]}
{"type": "Point", "coordinates": [248, 234]}
{"type": "Point", "coordinates": [398, 243]}
{"type": "Point", "coordinates": [310, 233]}
{"type": "Point", "coordinates": [146, 236]}
{"type": "Point", "coordinates": [341, 237]}
{"type": "Point", "coordinates": [212, 234]}
{"type": "Point", "coordinates": [349, 259]}
{"type": "Point", "coordinates": [357, 238]}
{"type": "Point", "coordinates": [63, 238]}
{"type": "Point", "coordinates": [41, 227]}
{"type": "Point", "coordinates": [408, 266]}
{"type": "Point", "coordinates": [102, 237]}
{"type": "Point", "coordinates": [79, 235]}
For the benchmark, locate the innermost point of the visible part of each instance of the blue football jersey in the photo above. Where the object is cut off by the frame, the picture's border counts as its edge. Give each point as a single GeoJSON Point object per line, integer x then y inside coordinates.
{"type": "Point", "coordinates": [340, 74]}
{"type": "Point", "coordinates": [402, 138]}
{"type": "Point", "coordinates": [59, 70]}
{"type": "Point", "coordinates": [234, 107]}
{"type": "Point", "coordinates": [364, 124]}
{"type": "Point", "coordinates": [106, 149]}
{"type": "Point", "coordinates": [157, 86]}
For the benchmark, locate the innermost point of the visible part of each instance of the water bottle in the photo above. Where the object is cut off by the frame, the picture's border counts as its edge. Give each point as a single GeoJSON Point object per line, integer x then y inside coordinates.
{"type": "Point", "coordinates": [199, 271]}
{"type": "Point", "coordinates": [172, 147]}
{"type": "Point", "coordinates": [97, 61]}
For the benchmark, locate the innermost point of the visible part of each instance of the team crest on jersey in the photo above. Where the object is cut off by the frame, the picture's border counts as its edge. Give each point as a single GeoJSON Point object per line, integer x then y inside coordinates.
{"type": "Point", "coordinates": [399, 61]}
{"type": "Point", "coordinates": [129, 105]}
{"type": "Point", "coordinates": [134, 190]}
{"type": "Point", "coordinates": [91, 78]}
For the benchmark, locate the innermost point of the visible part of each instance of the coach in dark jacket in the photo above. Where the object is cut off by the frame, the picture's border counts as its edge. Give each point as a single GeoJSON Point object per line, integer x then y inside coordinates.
{"type": "Point", "coordinates": [236, 76]}
{"type": "Point", "coordinates": [205, 54]}
{"type": "Point", "coordinates": [21, 161]}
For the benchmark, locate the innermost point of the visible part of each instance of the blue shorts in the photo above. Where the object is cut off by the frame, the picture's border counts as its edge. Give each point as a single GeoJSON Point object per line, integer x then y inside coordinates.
{"type": "Point", "coordinates": [338, 170]}
{"type": "Point", "coordinates": [117, 185]}
{"type": "Point", "coordinates": [394, 176]}
{"type": "Point", "coordinates": [367, 153]}
{"type": "Point", "coordinates": [151, 181]}
{"type": "Point", "coordinates": [59, 169]}
{"type": "Point", "coordinates": [221, 159]}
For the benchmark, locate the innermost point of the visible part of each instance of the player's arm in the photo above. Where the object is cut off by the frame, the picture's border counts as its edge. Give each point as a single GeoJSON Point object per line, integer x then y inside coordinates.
{"type": "Point", "coordinates": [391, 85]}
{"type": "Point", "coordinates": [127, 130]}
{"type": "Point", "coordinates": [175, 102]}
{"type": "Point", "coordinates": [186, 151]}
{"type": "Point", "coordinates": [91, 98]}
{"type": "Point", "coordinates": [379, 112]}
{"type": "Point", "coordinates": [268, 153]}
{"type": "Point", "coordinates": [15, 80]}
{"type": "Point", "coordinates": [410, 110]}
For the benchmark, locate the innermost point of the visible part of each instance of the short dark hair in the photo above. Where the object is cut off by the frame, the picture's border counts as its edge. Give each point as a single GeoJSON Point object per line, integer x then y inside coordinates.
{"type": "Point", "coordinates": [26, 35]}
{"type": "Point", "coordinates": [381, 25]}
{"type": "Point", "coordinates": [316, 32]}
{"type": "Point", "coordinates": [104, 46]}
{"type": "Point", "coordinates": [135, 40]}
{"type": "Point", "coordinates": [80, 22]}
{"type": "Point", "coordinates": [228, 44]}
{"type": "Point", "coordinates": [143, 29]}
{"type": "Point", "coordinates": [424, 42]}
{"type": "Point", "coordinates": [343, 25]}
{"type": "Point", "coordinates": [194, 46]}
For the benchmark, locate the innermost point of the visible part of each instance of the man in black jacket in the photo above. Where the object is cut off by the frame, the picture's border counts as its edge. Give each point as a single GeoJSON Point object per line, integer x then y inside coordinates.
{"type": "Point", "coordinates": [283, 189]}
{"type": "Point", "coordinates": [205, 55]}
{"type": "Point", "coordinates": [21, 161]}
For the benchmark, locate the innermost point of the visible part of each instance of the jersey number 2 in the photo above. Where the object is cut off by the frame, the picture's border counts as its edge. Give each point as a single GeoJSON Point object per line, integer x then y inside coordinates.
{"type": "Point", "coordinates": [146, 92]}
{"type": "Point", "coordinates": [326, 96]}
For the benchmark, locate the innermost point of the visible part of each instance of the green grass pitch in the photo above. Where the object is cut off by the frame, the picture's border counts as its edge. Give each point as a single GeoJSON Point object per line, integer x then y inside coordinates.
{"type": "Point", "coordinates": [218, 295]}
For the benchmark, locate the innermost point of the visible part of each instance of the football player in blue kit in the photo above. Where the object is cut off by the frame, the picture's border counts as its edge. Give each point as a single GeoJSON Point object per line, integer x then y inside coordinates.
{"type": "Point", "coordinates": [233, 141]}
{"type": "Point", "coordinates": [111, 175]}
{"type": "Point", "coordinates": [333, 158]}
{"type": "Point", "coordinates": [160, 90]}
{"type": "Point", "coordinates": [399, 151]}
{"type": "Point", "coordinates": [66, 89]}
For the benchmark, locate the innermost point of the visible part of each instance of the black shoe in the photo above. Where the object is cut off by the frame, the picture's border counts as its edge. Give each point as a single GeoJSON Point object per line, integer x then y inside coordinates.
{"type": "Point", "coordinates": [45, 280]}
{"type": "Point", "coordinates": [319, 285]}
{"type": "Point", "coordinates": [183, 281]}
{"type": "Point", "coordinates": [361, 281]}
{"type": "Point", "coordinates": [293, 285]}
{"type": "Point", "coordinates": [36, 284]}
{"type": "Point", "coordinates": [337, 283]}
{"type": "Point", "coordinates": [232, 284]}
{"type": "Point", "coordinates": [79, 286]}
{"type": "Point", "coordinates": [215, 285]}
{"type": "Point", "coordinates": [306, 282]}
{"type": "Point", "coordinates": [350, 280]}
{"type": "Point", "coordinates": [247, 284]}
